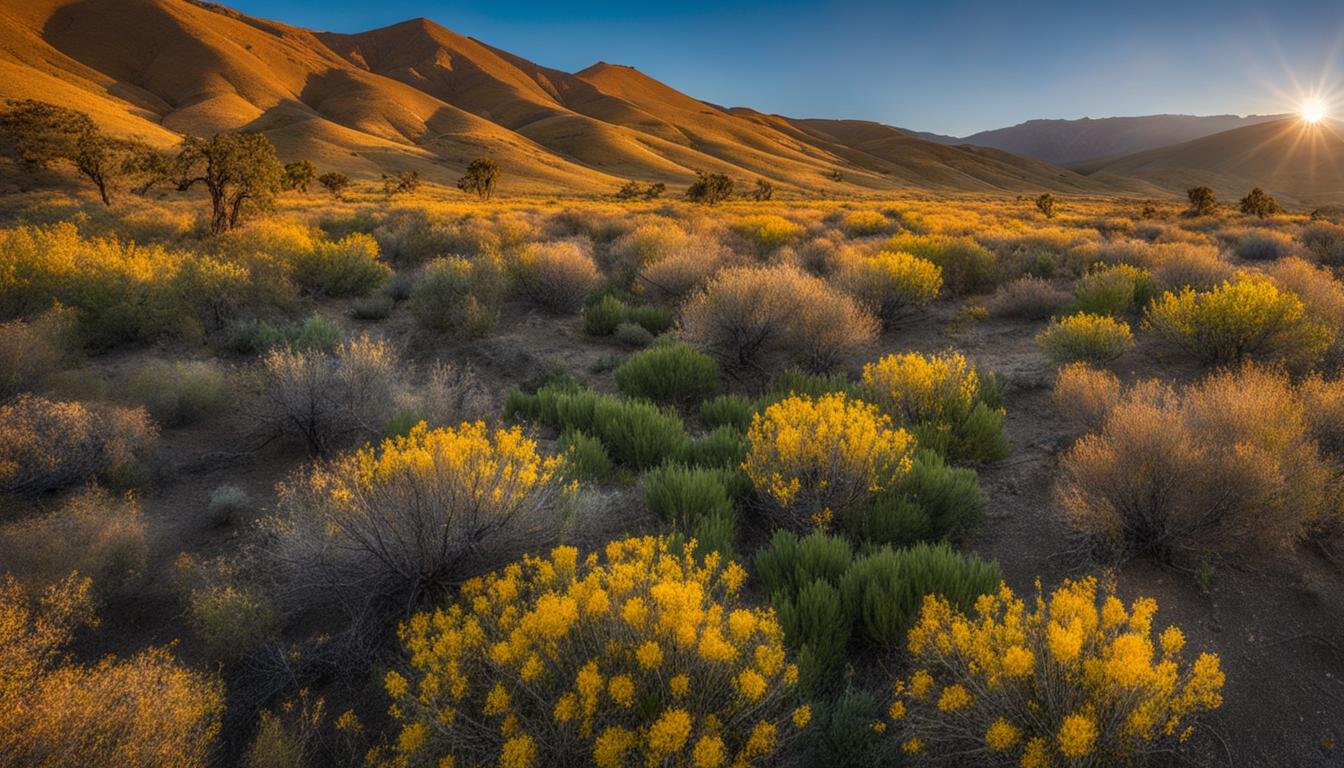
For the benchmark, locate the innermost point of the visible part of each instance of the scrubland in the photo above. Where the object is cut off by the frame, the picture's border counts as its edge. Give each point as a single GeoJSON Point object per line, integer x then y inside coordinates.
{"type": "Point", "coordinates": [564, 482]}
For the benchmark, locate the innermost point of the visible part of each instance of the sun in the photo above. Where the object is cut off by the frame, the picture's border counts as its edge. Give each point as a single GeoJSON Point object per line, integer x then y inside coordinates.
{"type": "Point", "coordinates": [1313, 110]}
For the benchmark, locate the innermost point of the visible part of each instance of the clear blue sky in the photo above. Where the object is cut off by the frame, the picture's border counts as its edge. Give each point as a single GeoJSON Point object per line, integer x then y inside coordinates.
{"type": "Point", "coordinates": [951, 67]}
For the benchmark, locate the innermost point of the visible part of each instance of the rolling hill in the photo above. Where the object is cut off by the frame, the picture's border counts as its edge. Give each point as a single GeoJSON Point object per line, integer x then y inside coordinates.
{"type": "Point", "coordinates": [1065, 142]}
{"type": "Point", "coordinates": [418, 96]}
{"type": "Point", "coordinates": [1297, 162]}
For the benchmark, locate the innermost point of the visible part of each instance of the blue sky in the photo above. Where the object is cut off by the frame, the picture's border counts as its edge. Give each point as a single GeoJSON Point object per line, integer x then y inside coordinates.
{"type": "Point", "coordinates": [951, 67]}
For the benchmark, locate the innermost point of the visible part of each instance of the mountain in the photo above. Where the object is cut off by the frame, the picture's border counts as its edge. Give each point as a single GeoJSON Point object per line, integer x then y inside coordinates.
{"type": "Point", "coordinates": [1295, 161]}
{"type": "Point", "coordinates": [418, 96]}
{"type": "Point", "coordinates": [1064, 142]}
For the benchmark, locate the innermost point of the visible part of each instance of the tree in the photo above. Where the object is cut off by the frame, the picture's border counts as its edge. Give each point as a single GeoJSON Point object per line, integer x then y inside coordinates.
{"type": "Point", "coordinates": [299, 174]}
{"type": "Point", "coordinates": [1202, 201]}
{"type": "Point", "coordinates": [239, 170]}
{"type": "Point", "coordinates": [40, 135]}
{"type": "Point", "coordinates": [480, 178]}
{"type": "Point", "coordinates": [764, 191]}
{"type": "Point", "coordinates": [1259, 203]}
{"type": "Point", "coordinates": [336, 183]}
{"type": "Point", "coordinates": [1046, 205]}
{"type": "Point", "coordinates": [401, 182]}
{"type": "Point", "coordinates": [710, 188]}
{"type": "Point", "coordinates": [630, 190]}
{"type": "Point", "coordinates": [655, 190]}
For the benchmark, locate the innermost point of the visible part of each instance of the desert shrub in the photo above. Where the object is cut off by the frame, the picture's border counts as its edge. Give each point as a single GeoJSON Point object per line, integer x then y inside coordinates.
{"type": "Point", "coordinates": [603, 316]}
{"type": "Point", "coordinates": [229, 621]}
{"type": "Point", "coordinates": [813, 458]}
{"type": "Point", "coordinates": [891, 285]}
{"type": "Point", "coordinates": [45, 445]}
{"type": "Point", "coordinates": [375, 307]}
{"type": "Point", "coordinates": [1226, 466]}
{"type": "Point", "coordinates": [967, 266]}
{"type": "Point", "coordinates": [865, 223]}
{"type": "Point", "coordinates": [458, 294]}
{"type": "Point", "coordinates": [1324, 241]}
{"type": "Point", "coordinates": [674, 277]}
{"type": "Point", "coordinates": [1075, 680]}
{"type": "Point", "coordinates": [1029, 298]}
{"type": "Point", "coordinates": [228, 504]}
{"type": "Point", "coordinates": [731, 410]}
{"type": "Point", "coordinates": [315, 332]}
{"type": "Point", "coordinates": [449, 395]}
{"type": "Point", "coordinates": [724, 447]}
{"type": "Point", "coordinates": [347, 267]}
{"type": "Point", "coordinates": [1248, 317]}
{"type": "Point", "coordinates": [842, 733]}
{"type": "Point", "coordinates": [585, 456]}
{"type": "Point", "coordinates": [1085, 337]}
{"type": "Point", "coordinates": [1112, 290]}
{"type": "Point", "coordinates": [669, 373]}
{"type": "Point", "coordinates": [1321, 294]}
{"type": "Point", "coordinates": [632, 335]}
{"type": "Point", "coordinates": [32, 350]}
{"type": "Point", "coordinates": [655, 320]}
{"type": "Point", "coordinates": [944, 401]}
{"type": "Point", "coordinates": [180, 392]}
{"type": "Point", "coordinates": [646, 244]}
{"type": "Point", "coordinates": [1259, 203]}
{"type": "Point", "coordinates": [639, 656]}
{"type": "Point", "coordinates": [930, 502]}
{"type": "Point", "coordinates": [762, 319]}
{"type": "Point", "coordinates": [792, 381]}
{"type": "Point", "coordinates": [414, 513]}
{"type": "Point", "coordinates": [1180, 265]}
{"type": "Point", "coordinates": [882, 592]}
{"type": "Point", "coordinates": [636, 433]}
{"type": "Point", "coordinates": [328, 400]}
{"type": "Point", "coordinates": [682, 495]}
{"type": "Point", "coordinates": [1323, 408]}
{"type": "Point", "coordinates": [556, 276]}
{"type": "Point", "coordinates": [146, 711]}
{"type": "Point", "coordinates": [1084, 395]}
{"type": "Point", "coordinates": [767, 232]}
{"type": "Point", "coordinates": [97, 535]}
{"type": "Point", "coordinates": [1260, 244]}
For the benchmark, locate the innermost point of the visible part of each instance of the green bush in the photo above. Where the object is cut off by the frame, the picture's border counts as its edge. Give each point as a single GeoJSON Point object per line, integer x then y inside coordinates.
{"type": "Point", "coordinates": [602, 316]}
{"type": "Point", "coordinates": [1084, 337]}
{"type": "Point", "coordinates": [724, 447]}
{"type": "Point", "coordinates": [815, 625]}
{"type": "Point", "coordinates": [683, 495]}
{"type": "Point", "coordinates": [458, 294]}
{"type": "Point", "coordinates": [1113, 289]}
{"type": "Point", "coordinates": [315, 332]}
{"type": "Point", "coordinates": [967, 266]}
{"type": "Point", "coordinates": [883, 591]}
{"type": "Point", "coordinates": [347, 267]}
{"type": "Point", "coordinates": [636, 433]}
{"type": "Point", "coordinates": [228, 504]}
{"type": "Point", "coordinates": [790, 562]}
{"type": "Point", "coordinates": [632, 335]}
{"type": "Point", "coordinates": [841, 734]}
{"type": "Point", "coordinates": [728, 411]}
{"type": "Point", "coordinates": [944, 401]}
{"type": "Point", "coordinates": [585, 455]}
{"type": "Point", "coordinates": [182, 392]}
{"type": "Point", "coordinates": [669, 373]}
{"type": "Point", "coordinates": [930, 502]}
{"type": "Point", "coordinates": [229, 621]}
{"type": "Point", "coordinates": [655, 320]}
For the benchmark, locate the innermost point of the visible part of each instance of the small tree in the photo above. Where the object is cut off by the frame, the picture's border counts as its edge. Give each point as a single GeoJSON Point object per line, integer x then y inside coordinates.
{"type": "Point", "coordinates": [1259, 203]}
{"type": "Point", "coordinates": [1202, 201]}
{"type": "Point", "coordinates": [481, 177]}
{"type": "Point", "coordinates": [239, 170]}
{"type": "Point", "coordinates": [299, 174]}
{"type": "Point", "coordinates": [1046, 205]}
{"type": "Point", "coordinates": [401, 182]}
{"type": "Point", "coordinates": [764, 191]}
{"type": "Point", "coordinates": [336, 183]}
{"type": "Point", "coordinates": [655, 190]}
{"type": "Point", "coordinates": [710, 188]}
{"type": "Point", "coordinates": [630, 190]}
{"type": "Point", "coordinates": [40, 135]}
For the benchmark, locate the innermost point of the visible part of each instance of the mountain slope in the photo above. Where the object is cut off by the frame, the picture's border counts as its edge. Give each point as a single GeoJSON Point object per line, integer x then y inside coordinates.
{"type": "Point", "coordinates": [1064, 142]}
{"type": "Point", "coordinates": [418, 96]}
{"type": "Point", "coordinates": [1293, 160]}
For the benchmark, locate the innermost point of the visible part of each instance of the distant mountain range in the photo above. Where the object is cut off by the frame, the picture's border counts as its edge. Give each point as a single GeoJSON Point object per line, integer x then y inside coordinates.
{"type": "Point", "coordinates": [418, 96]}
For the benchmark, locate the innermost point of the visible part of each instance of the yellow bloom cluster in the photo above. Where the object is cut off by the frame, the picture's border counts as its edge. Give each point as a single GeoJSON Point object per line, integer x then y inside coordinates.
{"type": "Point", "coordinates": [642, 655]}
{"type": "Point", "coordinates": [814, 457]}
{"type": "Point", "coordinates": [1078, 679]}
{"type": "Point", "coordinates": [916, 389]}
{"type": "Point", "coordinates": [498, 465]}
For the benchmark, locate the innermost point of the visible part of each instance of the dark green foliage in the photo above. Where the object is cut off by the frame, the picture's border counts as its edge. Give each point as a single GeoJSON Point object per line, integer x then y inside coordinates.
{"type": "Point", "coordinates": [401, 182]}
{"type": "Point", "coordinates": [636, 433]}
{"type": "Point", "coordinates": [883, 592]}
{"type": "Point", "coordinates": [299, 175]}
{"type": "Point", "coordinates": [655, 320]}
{"type": "Point", "coordinates": [1046, 205]}
{"type": "Point", "coordinates": [608, 313]}
{"type": "Point", "coordinates": [457, 294]}
{"type": "Point", "coordinates": [1112, 290]}
{"type": "Point", "coordinates": [1203, 201]}
{"type": "Point", "coordinates": [790, 562]}
{"type": "Point", "coordinates": [481, 177]}
{"type": "Point", "coordinates": [763, 191]}
{"type": "Point", "coordinates": [814, 385]}
{"type": "Point", "coordinates": [728, 411]}
{"type": "Point", "coordinates": [239, 170]}
{"type": "Point", "coordinates": [933, 501]}
{"type": "Point", "coordinates": [585, 455]}
{"type": "Point", "coordinates": [841, 734]}
{"type": "Point", "coordinates": [683, 495]}
{"type": "Point", "coordinates": [710, 188]}
{"type": "Point", "coordinates": [335, 183]}
{"type": "Point", "coordinates": [723, 447]}
{"type": "Point", "coordinates": [1259, 203]}
{"type": "Point", "coordinates": [314, 332]}
{"type": "Point", "coordinates": [674, 373]}
{"type": "Point", "coordinates": [815, 625]}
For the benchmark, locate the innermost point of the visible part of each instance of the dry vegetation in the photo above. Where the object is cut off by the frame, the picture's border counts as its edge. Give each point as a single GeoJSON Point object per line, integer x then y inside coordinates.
{"type": "Point", "coordinates": [533, 483]}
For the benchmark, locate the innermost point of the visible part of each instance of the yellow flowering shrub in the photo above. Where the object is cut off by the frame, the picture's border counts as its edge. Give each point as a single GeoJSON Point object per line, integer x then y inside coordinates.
{"type": "Point", "coordinates": [815, 457]}
{"type": "Point", "coordinates": [766, 232]}
{"type": "Point", "coordinates": [1085, 337]}
{"type": "Point", "coordinates": [1077, 679]}
{"type": "Point", "coordinates": [641, 655]}
{"type": "Point", "coordinates": [943, 400]}
{"type": "Point", "coordinates": [891, 285]}
{"type": "Point", "coordinates": [1246, 317]}
{"type": "Point", "coordinates": [417, 511]}
{"type": "Point", "coordinates": [146, 711]}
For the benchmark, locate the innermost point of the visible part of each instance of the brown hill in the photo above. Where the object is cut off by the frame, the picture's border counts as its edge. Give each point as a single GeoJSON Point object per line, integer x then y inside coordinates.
{"type": "Point", "coordinates": [1297, 162]}
{"type": "Point", "coordinates": [417, 95]}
